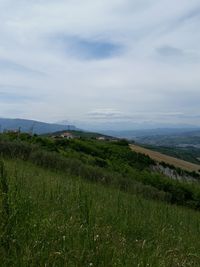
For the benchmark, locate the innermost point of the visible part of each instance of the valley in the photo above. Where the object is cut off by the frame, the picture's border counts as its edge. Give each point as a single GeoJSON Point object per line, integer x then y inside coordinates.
{"type": "Point", "coordinates": [160, 157]}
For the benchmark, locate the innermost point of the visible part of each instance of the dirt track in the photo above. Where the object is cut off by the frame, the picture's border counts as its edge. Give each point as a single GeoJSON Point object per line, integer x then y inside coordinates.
{"type": "Point", "coordinates": [159, 157]}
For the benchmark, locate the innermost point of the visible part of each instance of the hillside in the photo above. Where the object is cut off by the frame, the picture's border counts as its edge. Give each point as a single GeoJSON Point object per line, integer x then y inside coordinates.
{"type": "Point", "coordinates": [160, 157]}
{"type": "Point", "coordinates": [85, 202]}
{"type": "Point", "coordinates": [112, 163]}
{"type": "Point", "coordinates": [56, 219]}
{"type": "Point", "coordinates": [188, 153]}
{"type": "Point", "coordinates": [32, 126]}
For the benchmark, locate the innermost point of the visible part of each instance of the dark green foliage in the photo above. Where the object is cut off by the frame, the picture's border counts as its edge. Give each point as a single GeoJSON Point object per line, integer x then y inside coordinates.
{"type": "Point", "coordinates": [100, 162]}
{"type": "Point", "coordinates": [122, 142]}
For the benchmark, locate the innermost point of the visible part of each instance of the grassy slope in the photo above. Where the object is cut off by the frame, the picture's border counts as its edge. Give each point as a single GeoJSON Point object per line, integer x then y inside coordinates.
{"type": "Point", "coordinates": [59, 220]}
{"type": "Point", "coordinates": [108, 163]}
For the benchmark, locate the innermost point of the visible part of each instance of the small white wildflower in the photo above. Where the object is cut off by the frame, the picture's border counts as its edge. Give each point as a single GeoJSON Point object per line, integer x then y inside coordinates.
{"type": "Point", "coordinates": [58, 253]}
{"type": "Point", "coordinates": [96, 237]}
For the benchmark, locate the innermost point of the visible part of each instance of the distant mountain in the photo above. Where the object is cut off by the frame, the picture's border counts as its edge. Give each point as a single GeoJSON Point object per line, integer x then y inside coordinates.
{"type": "Point", "coordinates": [163, 137]}
{"type": "Point", "coordinates": [123, 126]}
{"type": "Point", "coordinates": [37, 127]}
{"type": "Point", "coordinates": [153, 133]}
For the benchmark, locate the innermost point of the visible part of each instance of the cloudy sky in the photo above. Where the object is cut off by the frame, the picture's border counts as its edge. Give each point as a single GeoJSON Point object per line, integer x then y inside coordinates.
{"type": "Point", "coordinates": [100, 61]}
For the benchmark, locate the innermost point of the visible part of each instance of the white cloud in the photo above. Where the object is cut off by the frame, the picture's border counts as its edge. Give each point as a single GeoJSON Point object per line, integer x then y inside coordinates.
{"type": "Point", "coordinates": [156, 71]}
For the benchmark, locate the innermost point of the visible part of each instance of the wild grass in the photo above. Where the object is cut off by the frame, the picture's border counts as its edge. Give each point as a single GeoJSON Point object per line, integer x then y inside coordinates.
{"type": "Point", "coordinates": [58, 220]}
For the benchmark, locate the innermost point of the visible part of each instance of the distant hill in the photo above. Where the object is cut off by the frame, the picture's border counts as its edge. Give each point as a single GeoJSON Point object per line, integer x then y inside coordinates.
{"type": "Point", "coordinates": [83, 134]}
{"type": "Point", "coordinates": [181, 139]}
{"type": "Point", "coordinates": [37, 127]}
{"type": "Point", "coordinates": [154, 133]}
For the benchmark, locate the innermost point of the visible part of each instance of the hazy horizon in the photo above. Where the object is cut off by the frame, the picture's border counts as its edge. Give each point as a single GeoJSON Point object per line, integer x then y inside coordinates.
{"type": "Point", "coordinates": [117, 62]}
{"type": "Point", "coordinates": [101, 127]}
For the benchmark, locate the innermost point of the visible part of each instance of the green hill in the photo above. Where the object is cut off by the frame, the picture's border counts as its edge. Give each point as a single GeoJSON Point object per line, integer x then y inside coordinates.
{"type": "Point", "coordinates": [92, 203]}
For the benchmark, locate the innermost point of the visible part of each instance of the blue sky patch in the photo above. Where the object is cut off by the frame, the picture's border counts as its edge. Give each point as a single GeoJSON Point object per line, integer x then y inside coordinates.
{"type": "Point", "coordinates": [90, 49]}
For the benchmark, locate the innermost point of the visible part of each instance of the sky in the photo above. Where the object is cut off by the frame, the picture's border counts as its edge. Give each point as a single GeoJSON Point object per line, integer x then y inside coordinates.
{"type": "Point", "coordinates": [100, 62]}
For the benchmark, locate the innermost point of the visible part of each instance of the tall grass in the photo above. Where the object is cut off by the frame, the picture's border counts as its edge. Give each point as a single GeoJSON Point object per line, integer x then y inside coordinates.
{"type": "Point", "coordinates": [5, 209]}
{"type": "Point", "coordinates": [61, 220]}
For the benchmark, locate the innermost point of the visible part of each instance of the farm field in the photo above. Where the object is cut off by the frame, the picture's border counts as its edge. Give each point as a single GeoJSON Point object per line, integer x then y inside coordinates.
{"type": "Point", "coordinates": [159, 157]}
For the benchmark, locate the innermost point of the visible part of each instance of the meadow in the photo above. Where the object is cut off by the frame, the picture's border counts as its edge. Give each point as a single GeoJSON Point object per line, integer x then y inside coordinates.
{"type": "Point", "coordinates": [53, 219]}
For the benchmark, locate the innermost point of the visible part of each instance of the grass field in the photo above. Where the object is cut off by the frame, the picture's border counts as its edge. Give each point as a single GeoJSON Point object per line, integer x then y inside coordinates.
{"type": "Point", "coordinates": [53, 219]}
{"type": "Point", "coordinates": [159, 157]}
